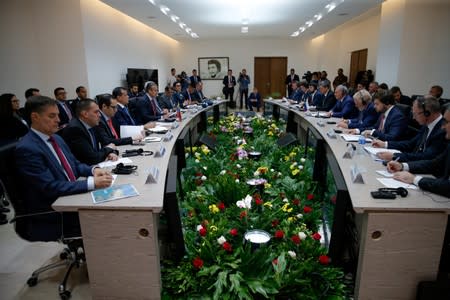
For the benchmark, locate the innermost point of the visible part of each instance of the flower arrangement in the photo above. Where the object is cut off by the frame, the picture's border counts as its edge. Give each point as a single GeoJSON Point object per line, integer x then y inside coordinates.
{"type": "Point", "coordinates": [220, 207]}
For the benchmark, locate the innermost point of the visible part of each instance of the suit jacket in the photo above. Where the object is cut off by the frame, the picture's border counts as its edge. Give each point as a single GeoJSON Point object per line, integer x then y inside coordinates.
{"type": "Point", "coordinates": [296, 95]}
{"type": "Point", "coordinates": [11, 129]}
{"type": "Point", "coordinates": [80, 143]}
{"type": "Point", "coordinates": [192, 97]}
{"type": "Point", "coordinates": [178, 99]}
{"type": "Point", "coordinates": [288, 79]}
{"type": "Point", "coordinates": [254, 96]}
{"type": "Point", "coordinates": [73, 105]}
{"type": "Point", "coordinates": [315, 98]}
{"type": "Point", "coordinates": [327, 102]}
{"type": "Point", "coordinates": [166, 102]}
{"type": "Point", "coordinates": [122, 118]}
{"type": "Point", "coordinates": [369, 117]}
{"type": "Point", "coordinates": [225, 81]}
{"type": "Point", "coordinates": [192, 78]}
{"type": "Point", "coordinates": [439, 167]}
{"type": "Point", "coordinates": [105, 135]}
{"type": "Point", "coordinates": [394, 127]}
{"type": "Point", "coordinates": [345, 109]}
{"type": "Point", "coordinates": [43, 180]}
{"type": "Point", "coordinates": [434, 144]}
{"type": "Point", "coordinates": [405, 100]}
{"type": "Point", "coordinates": [63, 116]}
{"type": "Point", "coordinates": [145, 112]}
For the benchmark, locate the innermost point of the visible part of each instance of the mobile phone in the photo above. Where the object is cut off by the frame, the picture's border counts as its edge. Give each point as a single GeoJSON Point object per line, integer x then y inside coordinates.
{"type": "Point", "coordinates": [331, 122]}
{"type": "Point", "coordinates": [337, 130]}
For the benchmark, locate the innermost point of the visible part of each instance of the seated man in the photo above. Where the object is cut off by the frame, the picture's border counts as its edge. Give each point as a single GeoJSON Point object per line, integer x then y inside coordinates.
{"type": "Point", "coordinates": [178, 98]}
{"type": "Point", "coordinates": [47, 170]}
{"type": "Point", "coordinates": [345, 106]}
{"type": "Point", "coordinates": [328, 100]}
{"type": "Point", "coordinates": [391, 124]}
{"type": "Point", "coordinates": [314, 96]}
{"type": "Point", "coordinates": [296, 93]}
{"type": "Point", "coordinates": [254, 100]}
{"type": "Point", "coordinates": [166, 100]}
{"type": "Point", "coordinates": [399, 97]}
{"type": "Point", "coordinates": [148, 109]}
{"type": "Point", "coordinates": [199, 91]}
{"type": "Point", "coordinates": [428, 143]}
{"type": "Point", "coordinates": [190, 95]}
{"type": "Point", "coordinates": [105, 130]}
{"type": "Point", "coordinates": [122, 116]}
{"type": "Point", "coordinates": [367, 117]}
{"type": "Point", "coordinates": [439, 167]}
{"type": "Point", "coordinates": [81, 137]}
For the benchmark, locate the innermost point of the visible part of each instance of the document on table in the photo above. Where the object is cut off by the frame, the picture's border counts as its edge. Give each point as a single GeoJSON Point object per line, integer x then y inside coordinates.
{"type": "Point", "coordinates": [150, 139]}
{"type": "Point", "coordinates": [385, 173]}
{"type": "Point", "coordinates": [159, 129]}
{"type": "Point", "coordinates": [353, 138]}
{"type": "Point", "coordinates": [114, 193]}
{"type": "Point", "coordinates": [131, 131]}
{"type": "Point", "coordinates": [375, 151]}
{"type": "Point", "coordinates": [392, 183]}
{"type": "Point", "coordinates": [110, 163]}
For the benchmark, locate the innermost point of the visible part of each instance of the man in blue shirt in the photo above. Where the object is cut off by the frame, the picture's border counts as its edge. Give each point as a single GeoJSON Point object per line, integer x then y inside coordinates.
{"type": "Point", "coordinates": [244, 81]}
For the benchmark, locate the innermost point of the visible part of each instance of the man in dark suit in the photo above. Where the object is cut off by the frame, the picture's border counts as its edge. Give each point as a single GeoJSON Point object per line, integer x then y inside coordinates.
{"type": "Point", "coordinates": [439, 167]}
{"type": "Point", "coordinates": [367, 116]}
{"type": "Point", "coordinates": [328, 100]}
{"type": "Point", "coordinates": [166, 100]}
{"type": "Point", "coordinates": [148, 109]}
{"type": "Point", "coordinates": [65, 111]}
{"type": "Point", "coordinates": [392, 123]}
{"type": "Point", "coordinates": [254, 100]}
{"type": "Point", "coordinates": [314, 96]}
{"type": "Point", "coordinates": [428, 143]}
{"type": "Point", "coordinates": [106, 131]}
{"type": "Point", "coordinates": [82, 139]}
{"type": "Point", "coordinates": [81, 92]}
{"type": "Point", "coordinates": [290, 78]}
{"type": "Point", "coordinates": [399, 97]}
{"type": "Point", "coordinates": [199, 91]}
{"type": "Point", "coordinates": [122, 116]}
{"type": "Point", "coordinates": [345, 106]}
{"type": "Point", "coordinates": [195, 78]}
{"type": "Point", "coordinates": [190, 95]}
{"type": "Point", "coordinates": [47, 170]}
{"type": "Point", "coordinates": [229, 81]}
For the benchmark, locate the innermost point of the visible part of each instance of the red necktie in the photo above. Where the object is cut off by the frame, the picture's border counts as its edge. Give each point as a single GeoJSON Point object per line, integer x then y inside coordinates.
{"type": "Point", "coordinates": [381, 127]}
{"type": "Point", "coordinates": [153, 106]}
{"type": "Point", "coordinates": [110, 124]}
{"type": "Point", "coordinates": [62, 159]}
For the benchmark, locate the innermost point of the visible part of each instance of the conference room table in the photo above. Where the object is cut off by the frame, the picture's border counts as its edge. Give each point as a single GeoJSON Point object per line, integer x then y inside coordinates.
{"type": "Point", "coordinates": [121, 236]}
{"type": "Point", "coordinates": [400, 240]}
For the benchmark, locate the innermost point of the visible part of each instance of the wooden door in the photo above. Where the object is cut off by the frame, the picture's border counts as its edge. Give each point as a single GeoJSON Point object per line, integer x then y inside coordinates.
{"type": "Point", "coordinates": [358, 62]}
{"type": "Point", "coordinates": [270, 73]}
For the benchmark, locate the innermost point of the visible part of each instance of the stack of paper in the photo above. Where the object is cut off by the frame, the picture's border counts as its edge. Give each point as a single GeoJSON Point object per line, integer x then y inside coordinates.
{"type": "Point", "coordinates": [375, 151]}
{"type": "Point", "coordinates": [353, 138]}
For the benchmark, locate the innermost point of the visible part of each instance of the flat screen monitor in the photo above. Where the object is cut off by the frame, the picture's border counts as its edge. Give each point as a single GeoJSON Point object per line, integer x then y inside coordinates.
{"type": "Point", "coordinates": [141, 76]}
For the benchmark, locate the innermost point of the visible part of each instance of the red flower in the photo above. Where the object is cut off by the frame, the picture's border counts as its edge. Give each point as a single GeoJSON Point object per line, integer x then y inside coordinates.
{"type": "Point", "coordinates": [234, 232]}
{"type": "Point", "coordinates": [243, 214]}
{"type": "Point", "coordinates": [296, 239]}
{"type": "Point", "coordinates": [221, 206]}
{"type": "Point", "coordinates": [197, 263]}
{"type": "Point", "coordinates": [296, 201]}
{"type": "Point", "coordinates": [316, 236]}
{"type": "Point", "coordinates": [202, 231]}
{"type": "Point", "coordinates": [258, 201]}
{"type": "Point", "coordinates": [275, 223]}
{"type": "Point", "coordinates": [275, 261]}
{"type": "Point", "coordinates": [333, 199]}
{"type": "Point", "coordinates": [324, 260]}
{"type": "Point", "coordinates": [198, 174]}
{"type": "Point", "coordinates": [279, 234]}
{"type": "Point", "coordinates": [310, 196]}
{"type": "Point", "coordinates": [307, 209]}
{"type": "Point", "coordinates": [227, 246]}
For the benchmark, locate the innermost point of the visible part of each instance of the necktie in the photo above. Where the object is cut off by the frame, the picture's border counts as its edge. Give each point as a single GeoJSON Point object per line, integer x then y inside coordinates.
{"type": "Point", "coordinates": [94, 140]}
{"type": "Point", "coordinates": [153, 106]}
{"type": "Point", "coordinates": [130, 119]}
{"type": "Point", "coordinates": [111, 127]}
{"type": "Point", "coordinates": [381, 126]}
{"type": "Point", "coordinates": [421, 146]}
{"type": "Point", "coordinates": [67, 109]}
{"type": "Point", "coordinates": [65, 164]}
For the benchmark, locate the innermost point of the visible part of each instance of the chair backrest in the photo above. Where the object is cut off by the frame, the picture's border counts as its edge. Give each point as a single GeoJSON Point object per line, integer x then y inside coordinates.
{"type": "Point", "coordinates": [9, 182]}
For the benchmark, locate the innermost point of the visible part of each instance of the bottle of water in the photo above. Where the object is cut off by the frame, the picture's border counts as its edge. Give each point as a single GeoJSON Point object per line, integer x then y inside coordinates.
{"type": "Point", "coordinates": [361, 143]}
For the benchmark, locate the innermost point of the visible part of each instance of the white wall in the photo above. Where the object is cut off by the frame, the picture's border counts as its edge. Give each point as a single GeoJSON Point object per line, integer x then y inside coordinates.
{"type": "Point", "coordinates": [115, 42]}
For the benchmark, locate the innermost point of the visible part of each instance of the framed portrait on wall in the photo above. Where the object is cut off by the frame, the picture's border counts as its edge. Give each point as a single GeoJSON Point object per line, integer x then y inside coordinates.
{"type": "Point", "coordinates": [213, 68]}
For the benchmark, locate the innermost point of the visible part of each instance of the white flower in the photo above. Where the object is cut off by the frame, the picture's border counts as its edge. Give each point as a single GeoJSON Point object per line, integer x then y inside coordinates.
{"type": "Point", "coordinates": [245, 203]}
{"type": "Point", "coordinates": [302, 160]}
{"type": "Point", "coordinates": [300, 167]}
{"type": "Point", "coordinates": [292, 254]}
{"type": "Point", "coordinates": [299, 216]}
{"type": "Point", "coordinates": [256, 173]}
{"type": "Point", "coordinates": [238, 166]}
{"type": "Point", "coordinates": [199, 227]}
{"type": "Point", "coordinates": [186, 155]}
{"type": "Point", "coordinates": [197, 161]}
{"type": "Point", "coordinates": [237, 180]}
{"type": "Point", "coordinates": [221, 240]}
{"type": "Point", "coordinates": [203, 178]}
{"type": "Point", "coordinates": [205, 168]}
{"type": "Point", "coordinates": [302, 235]}
{"type": "Point", "coordinates": [240, 204]}
{"type": "Point", "coordinates": [222, 172]}
{"type": "Point", "coordinates": [271, 170]}
{"type": "Point", "coordinates": [279, 174]}
{"type": "Point", "coordinates": [285, 200]}
{"type": "Point", "coordinates": [294, 163]}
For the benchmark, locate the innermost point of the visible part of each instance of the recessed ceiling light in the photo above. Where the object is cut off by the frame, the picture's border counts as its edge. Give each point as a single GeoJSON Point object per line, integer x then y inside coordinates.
{"type": "Point", "coordinates": [330, 6]}
{"type": "Point", "coordinates": [181, 25]}
{"type": "Point", "coordinates": [151, 17]}
{"type": "Point", "coordinates": [164, 9]}
{"type": "Point", "coordinates": [343, 14]}
{"type": "Point", "coordinates": [174, 18]}
{"type": "Point", "coordinates": [188, 30]}
{"type": "Point", "coordinates": [194, 35]}
{"type": "Point", "coordinates": [244, 29]}
{"type": "Point", "coordinates": [301, 29]}
{"type": "Point", "coordinates": [152, 2]}
{"type": "Point", "coordinates": [295, 33]}
{"type": "Point", "coordinates": [309, 23]}
{"type": "Point", "coordinates": [245, 21]}
{"type": "Point", "coordinates": [318, 17]}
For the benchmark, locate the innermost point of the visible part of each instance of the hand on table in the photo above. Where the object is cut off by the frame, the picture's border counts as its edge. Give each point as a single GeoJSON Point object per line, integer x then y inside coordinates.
{"type": "Point", "coordinates": [405, 177]}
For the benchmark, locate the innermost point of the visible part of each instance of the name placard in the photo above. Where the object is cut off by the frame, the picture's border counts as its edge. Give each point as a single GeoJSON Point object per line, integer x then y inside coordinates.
{"type": "Point", "coordinates": [168, 136]}
{"type": "Point", "coordinates": [152, 176]}
{"type": "Point", "coordinates": [356, 175]}
{"type": "Point", "coordinates": [349, 152]}
{"type": "Point", "coordinates": [160, 151]}
{"type": "Point", "coordinates": [331, 134]}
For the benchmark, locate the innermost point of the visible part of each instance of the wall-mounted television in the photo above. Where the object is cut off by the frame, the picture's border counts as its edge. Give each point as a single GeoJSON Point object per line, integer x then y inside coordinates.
{"type": "Point", "coordinates": [141, 76]}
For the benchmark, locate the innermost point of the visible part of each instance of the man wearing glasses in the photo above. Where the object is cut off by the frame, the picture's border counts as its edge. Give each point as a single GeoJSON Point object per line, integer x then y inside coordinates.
{"type": "Point", "coordinates": [65, 111]}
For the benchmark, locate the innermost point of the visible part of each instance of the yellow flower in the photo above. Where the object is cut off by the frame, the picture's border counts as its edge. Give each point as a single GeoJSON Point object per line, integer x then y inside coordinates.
{"type": "Point", "coordinates": [286, 158]}
{"type": "Point", "coordinates": [213, 208]}
{"type": "Point", "coordinates": [295, 172]}
{"type": "Point", "coordinates": [268, 204]}
{"type": "Point", "coordinates": [270, 133]}
{"type": "Point", "coordinates": [213, 228]}
{"type": "Point", "coordinates": [267, 185]}
{"type": "Point", "coordinates": [286, 208]}
{"type": "Point", "coordinates": [292, 154]}
{"type": "Point", "coordinates": [205, 150]}
{"type": "Point", "coordinates": [263, 170]}
{"type": "Point", "coordinates": [197, 155]}
{"type": "Point", "coordinates": [292, 219]}
{"type": "Point", "coordinates": [194, 149]}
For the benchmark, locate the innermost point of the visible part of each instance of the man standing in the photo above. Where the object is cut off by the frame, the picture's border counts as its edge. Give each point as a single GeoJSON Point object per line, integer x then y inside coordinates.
{"type": "Point", "coordinates": [290, 79]}
{"type": "Point", "coordinates": [195, 78]}
{"type": "Point", "coordinates": [340, 78]}
{"type": "Point", "coordinates": [172, 78]}
{"type": "Point", "coordinates": [428, 143]}
{"type": "Point", "coordinates": [48, 170]}
{"type": "Point", "coordinates": [65, 111]}
{"type": "Point", "coordinates": [244, 81]}
{"type": "Point", "coordinates": [229, 82]}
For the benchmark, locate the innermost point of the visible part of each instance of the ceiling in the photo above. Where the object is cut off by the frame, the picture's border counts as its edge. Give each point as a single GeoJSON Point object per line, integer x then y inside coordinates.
{"type": "Point", "coordinates": [224, 19]}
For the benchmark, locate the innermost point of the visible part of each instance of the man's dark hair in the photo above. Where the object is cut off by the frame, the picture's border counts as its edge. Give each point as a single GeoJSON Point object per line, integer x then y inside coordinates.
{"type": "Point", "coordinates": [194, 70]}
{"type": "Point", "coordinates": [5, 105]}
{"type": "Point", "coordinates": [134, 84]}
{"type": "Point", "coordinates": [30, 92]}
{"type": "Point", "coordinates": [104, 99]}
{"type": "Point", "coordinates": [173, 69]}
{"type": "Point", "coordinates": [56, 91]}
{"type": "Point", "coordinates": [215, 62]}
{"type": "Point", "coordinates": [395, 89]}
{"type": "Point", "coordinates": [78, 89]}
{"type": "Point", "coordinates": [117, 92]}
{"type": "Point", "coordinates": [38, 104]}
{"type": "Point", "coordinates": [83, 105]}
{"type": "Point", "coordinates": [383, 86]}
{"type": "Point", "coordinates": [439, 89]}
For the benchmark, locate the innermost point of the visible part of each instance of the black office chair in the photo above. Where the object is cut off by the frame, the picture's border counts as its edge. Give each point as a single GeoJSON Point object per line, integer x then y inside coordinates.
{"type": "Point", "coordinates": [413, 126]}
{"type": "Point", "coordinates": [72, 255]}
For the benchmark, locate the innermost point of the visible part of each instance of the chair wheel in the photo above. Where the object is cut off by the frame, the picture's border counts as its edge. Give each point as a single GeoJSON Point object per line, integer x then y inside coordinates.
{"type": "Point", "coordinates": [65, 295]}
{"type": "Point", "coordinates": [32, 281]}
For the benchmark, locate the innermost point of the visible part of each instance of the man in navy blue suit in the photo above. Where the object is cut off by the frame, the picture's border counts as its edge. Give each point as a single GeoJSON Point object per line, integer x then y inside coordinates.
{"type": "Point", "coordinates": [428, 143]}
{"type": "Point", "coordinates": [47, 170]}
{"type": "Point", "coordinates": [147, 108]}
{"type": "Point", "coordinates": [327, 102]}
{"type": "Point", "coordinates": [439, 167]}
{"type": "Point", "coordinates": [195, 78]}
{"type": "Point", "coordinates": [391, 124]}
{"type": "Point", "coordinates": [122, 116]}
{"type": "Point", "coordinates": [367, 116]}
{"type": "Point", "coordinates": [345, 106]}
{"type": "Point", "coordinates": [65, 111]}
